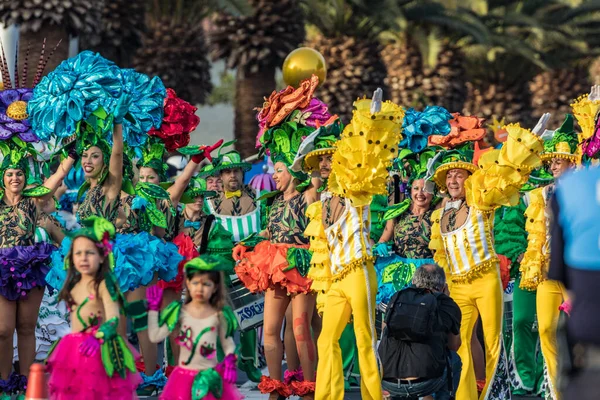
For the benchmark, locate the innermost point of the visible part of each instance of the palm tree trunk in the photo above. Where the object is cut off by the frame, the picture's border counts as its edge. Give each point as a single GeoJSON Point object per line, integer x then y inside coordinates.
{"type": "Point", "coordinates": [250, 91]}
{"type": "Point", "coordinates": [53, 34]}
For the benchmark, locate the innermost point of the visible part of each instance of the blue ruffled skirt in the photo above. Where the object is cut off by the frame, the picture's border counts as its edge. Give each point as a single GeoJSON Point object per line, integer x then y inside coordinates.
{"type": "Point", "coordinates": [394, 273]}
{"type": "Point", "coordinates": [138, 257]}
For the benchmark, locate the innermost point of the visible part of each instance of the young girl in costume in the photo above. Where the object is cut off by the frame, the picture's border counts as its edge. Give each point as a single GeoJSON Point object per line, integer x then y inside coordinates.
{"type": "Point", "coordinates": [93, 362]}
{"type": "Point", "coordinates": [203, 321]}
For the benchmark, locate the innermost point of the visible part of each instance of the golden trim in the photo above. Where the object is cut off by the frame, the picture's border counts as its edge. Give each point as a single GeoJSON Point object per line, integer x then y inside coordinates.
{"type": "Point", "coordinates": [477, 271]}
{"type": "Point", "coordinates": [310, 158]}
{"type": "Point", "coordinates": [440, 173]}
{"type": "Point", "coordinates": [574, 158]}
{"type": "Point", "coordinates": [350, 267]}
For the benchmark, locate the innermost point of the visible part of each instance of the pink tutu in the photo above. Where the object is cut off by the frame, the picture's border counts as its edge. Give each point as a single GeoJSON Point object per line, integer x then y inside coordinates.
{"type": "Point", "coordinates": [74, 376]}
{"type": "Point", "coordinates": [179, 387]}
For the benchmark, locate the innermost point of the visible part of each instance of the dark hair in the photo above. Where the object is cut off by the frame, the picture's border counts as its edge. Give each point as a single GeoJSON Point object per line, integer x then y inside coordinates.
{"type": "Point", "coordinates": [429, 276]}
{"type": "Point", "coordinates": [219, 298]}
{"type": "Point", "coordinates": [73, 276]}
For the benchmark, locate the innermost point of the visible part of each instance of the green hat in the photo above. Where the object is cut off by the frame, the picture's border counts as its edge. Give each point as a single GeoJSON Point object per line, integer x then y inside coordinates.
{"type": "Point", "coordinates": [318, 143]}
{"type": "Point", "coordinates": [152, 157]}
{"type": "Point", "coordinates": [417, 162]}
{"type": "Point", "coordinates": [539, 177]}
{"type": "Point", "coordinates": [205, 263]}
{"type": "Point", "coordinates": [99, 230]}
{"type": "Point", "coordinates": [16, 152]}
{"type": "Point", "coordinates": [92, 132]}
{"type": "Point", "coordinates": [230, 160]}
{"type": "Point", "coordinates": [457, 158]}
{"type": "Point", "coordinates": [207, 170]}
{"type": "Point", "coordinates": [283, 144]}
{"type": "Point", "coordinates": [196, 187]}
{"type": "Point", "coordinates": [562, 143]}
{"type": "Point", "coordinates": [220, 245]}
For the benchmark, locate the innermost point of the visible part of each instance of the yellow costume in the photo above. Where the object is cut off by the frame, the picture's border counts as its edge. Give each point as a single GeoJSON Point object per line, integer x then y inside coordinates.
{"type": "Point", "coordinates": [468, 257]}
{"type": "Point", "coordinates": [345, 269]}
{"type": "Point", "coordinates": [534, 267]}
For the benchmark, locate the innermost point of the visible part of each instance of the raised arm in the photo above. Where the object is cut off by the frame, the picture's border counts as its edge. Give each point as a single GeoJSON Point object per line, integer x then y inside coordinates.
{"type": "Point", "coordinates": [115, 170]}
{"type": "Point", "coordinates": [55, 180]}
{"type": "Point", "coordinates": [157, 332]}
{"type": "Point", "coordinates": [181, 183]}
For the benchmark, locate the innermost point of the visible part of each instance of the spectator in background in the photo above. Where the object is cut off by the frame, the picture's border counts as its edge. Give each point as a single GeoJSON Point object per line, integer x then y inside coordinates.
{"type": "Point", "coordinates": [575, 261]}
{"type": "Point", "coordinates": [416, 356]}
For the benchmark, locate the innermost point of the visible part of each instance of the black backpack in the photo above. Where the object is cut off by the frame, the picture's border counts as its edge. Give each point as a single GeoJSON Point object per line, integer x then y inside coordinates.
{"type": "Point", "coordinates": [412, 315]}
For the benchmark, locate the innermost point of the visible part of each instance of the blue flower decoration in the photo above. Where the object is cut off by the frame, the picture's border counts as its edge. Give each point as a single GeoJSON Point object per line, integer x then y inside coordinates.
{"type": "Point", "coordinates": [418, 126]}
{"type": "Point", "coordinates": [82, 84]}
{"type": "Point", "coordinates": [70, 93]}
{"type": "Point", "coordinates": [139, 203]}
{"type": "Point", "coordinates": [146, 109]}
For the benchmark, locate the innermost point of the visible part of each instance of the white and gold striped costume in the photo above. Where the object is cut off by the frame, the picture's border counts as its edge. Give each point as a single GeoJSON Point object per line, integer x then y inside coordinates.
{"type": "Point", "coordinates": [342, 263]}
{"type": "Point", "coordinates": [468, 257]}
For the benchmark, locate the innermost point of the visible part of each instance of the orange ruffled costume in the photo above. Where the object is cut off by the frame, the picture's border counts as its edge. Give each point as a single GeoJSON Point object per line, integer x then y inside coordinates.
{"type": "Point", "coordinates": [267, 266]}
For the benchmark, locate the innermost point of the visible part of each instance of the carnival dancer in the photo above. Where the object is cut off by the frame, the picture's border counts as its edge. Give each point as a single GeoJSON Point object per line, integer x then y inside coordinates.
{"type": "Point", "coordinates": [404, 244]}
{"type": "Point", "coordinates": [408, 227]}
{"type": "Point", "coordinates": [94, 361]}
{"type": "Point", "coordinates": [462, 241]}
{"type": "Point", "coordinates": [315, 158]}
{"type": "Point", "coordinates": [525, 363]}
{"type": "Point", "coordinates": [278, 266]}
{"type": "Point", "coordinates": [359, 170]}
{"type": "Point", "coordinates": [26, 263]}
{"type": "Point", "coordinates": [238, 209]}
{"type": "Point", "coordinates": [560, 154]}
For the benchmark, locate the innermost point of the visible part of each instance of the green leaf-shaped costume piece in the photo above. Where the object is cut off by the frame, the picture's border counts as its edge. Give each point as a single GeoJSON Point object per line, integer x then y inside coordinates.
{"type": "Point", "coordinates": [205, 382]}
{"type": "Point", "coordinates": [232, 322]}
{"type": "Point", "coordinates": [150, 215]}
{"type": "Point", "coordinates": [37, 191]}
{"type": "Point", "coordinates": [116, 357]}
{"type": "Point", "coordinates": [170, 315]}
{"type": "Point", "coordinates": [153, 157]}
{"type": "Point", "coordinates": [396, 210]}
{"type": "Point", "coordinates": [300, 259]}
{"type": "Point", "coordinates": [251, 240]}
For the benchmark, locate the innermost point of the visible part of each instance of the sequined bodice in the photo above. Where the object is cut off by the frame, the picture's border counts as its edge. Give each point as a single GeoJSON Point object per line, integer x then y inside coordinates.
{"type": "Point", "coordinates": [18, 223]}
{"type": "Point", "coordinates": [411, 235]}
{"type": "Point", "coordinates": [96, 204]}
{"type": "Point", "coordinates": [287, 220]}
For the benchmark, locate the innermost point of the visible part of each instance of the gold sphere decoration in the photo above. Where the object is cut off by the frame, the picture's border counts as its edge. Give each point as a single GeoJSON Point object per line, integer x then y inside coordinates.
{"type": "Point", "coordinates": [17, 110]}
{"type": "Point", "coordinates": [301, 63]}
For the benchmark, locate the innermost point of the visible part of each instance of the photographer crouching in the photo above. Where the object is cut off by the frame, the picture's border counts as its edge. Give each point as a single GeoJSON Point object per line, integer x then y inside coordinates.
{"type": "Point", "coordinates": [422, 328]}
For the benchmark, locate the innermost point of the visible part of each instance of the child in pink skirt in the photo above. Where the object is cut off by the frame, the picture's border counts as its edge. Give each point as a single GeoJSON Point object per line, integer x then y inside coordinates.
{"type": "Point", "coordinates": [203, 322]}
{"type": "Point", "coordinates": [93, 362]}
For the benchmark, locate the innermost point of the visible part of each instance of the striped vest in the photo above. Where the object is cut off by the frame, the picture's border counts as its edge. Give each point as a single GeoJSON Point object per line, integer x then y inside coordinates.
{"type": "Point", "coordinates": [240, 226]}
{"type": "Point", "coordinates": [348, 238]}
{"type": "Point", "coordinates": [471, 245]}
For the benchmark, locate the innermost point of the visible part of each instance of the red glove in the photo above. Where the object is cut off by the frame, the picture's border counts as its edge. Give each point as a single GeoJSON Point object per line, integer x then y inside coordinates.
{"type": "Point", "coordinates": [238, 252]}
{"type": "Point", "coordinates": [206, 150]}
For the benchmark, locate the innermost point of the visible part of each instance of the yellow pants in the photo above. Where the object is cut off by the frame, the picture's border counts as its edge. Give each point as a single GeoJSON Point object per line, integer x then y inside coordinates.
{"type": "Point", "coordinates": [481, 297]}
{"type": "Point", "coordinates": [550, 295]}
{"type": "Point", "coordinates": [353, 296]}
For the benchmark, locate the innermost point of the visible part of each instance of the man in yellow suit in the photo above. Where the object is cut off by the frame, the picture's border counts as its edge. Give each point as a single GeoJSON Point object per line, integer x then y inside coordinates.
{"type": "Point", "coordinates": [463, 244]}
{"type": "Point", "coordinates": [341, 233]}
